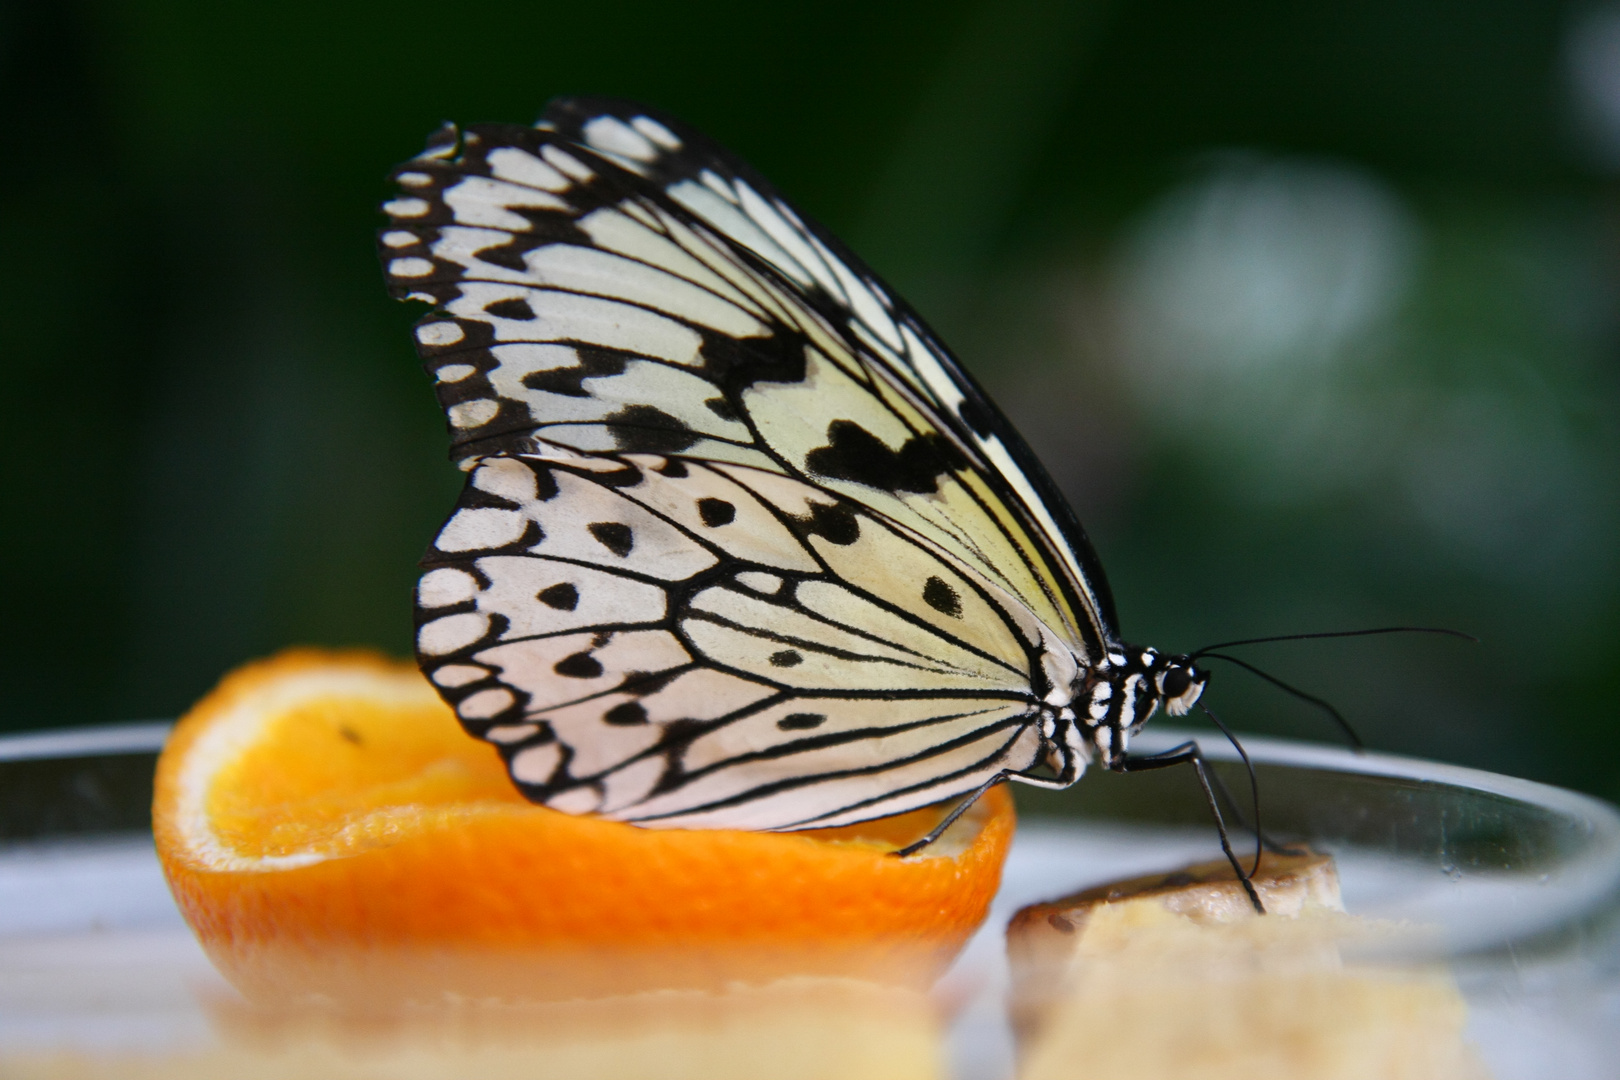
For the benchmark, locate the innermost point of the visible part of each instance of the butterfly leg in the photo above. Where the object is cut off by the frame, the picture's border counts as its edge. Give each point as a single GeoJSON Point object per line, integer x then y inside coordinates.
{"type": "Point", "coordinates": [950, 819]}
{"type": "Point", "coordinates": [1224, 793]}
{"type": "Point", "coordinates": [1189, 754]}
{"type": "Point", "coordinates": [1055, 783]}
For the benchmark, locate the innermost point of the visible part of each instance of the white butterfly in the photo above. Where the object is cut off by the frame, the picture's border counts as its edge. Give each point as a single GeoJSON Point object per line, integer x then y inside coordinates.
{"type": "Point", "coordinates": [741, 545]}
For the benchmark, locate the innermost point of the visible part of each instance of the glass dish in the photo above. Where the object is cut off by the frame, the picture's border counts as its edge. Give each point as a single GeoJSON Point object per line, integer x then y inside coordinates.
{"type": "Point", "coordinates": [1520, 881]}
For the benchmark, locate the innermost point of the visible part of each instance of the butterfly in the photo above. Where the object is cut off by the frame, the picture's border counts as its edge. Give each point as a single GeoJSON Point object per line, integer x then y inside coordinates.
{"type": "Point", "coordinates": [741, 544]}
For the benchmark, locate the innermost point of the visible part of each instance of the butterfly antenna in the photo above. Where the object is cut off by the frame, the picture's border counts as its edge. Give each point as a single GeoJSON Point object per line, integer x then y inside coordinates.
{"type": "Point", "coordinates": [1254, 786]}
{"type": "Point", "coordinates": [1206, 650]}
{"type": "Point", "coordinates": [1338, 717]}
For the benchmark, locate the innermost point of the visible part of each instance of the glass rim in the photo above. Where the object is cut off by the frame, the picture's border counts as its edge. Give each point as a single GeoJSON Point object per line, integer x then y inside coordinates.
{"type": "Point", "coordinates": [1270, 750]}
{"type": "Point", "coordinates": [1587, 871]}
{"type": "Point", "coordinates": [88, 740]}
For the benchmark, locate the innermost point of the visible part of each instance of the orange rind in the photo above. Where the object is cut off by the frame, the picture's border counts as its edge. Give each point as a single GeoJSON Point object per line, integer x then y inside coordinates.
{"type": "Point", "coordinates": [331, 834]}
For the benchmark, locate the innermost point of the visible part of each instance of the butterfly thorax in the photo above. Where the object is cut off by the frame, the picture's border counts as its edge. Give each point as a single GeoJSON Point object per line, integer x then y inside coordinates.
{"type": "Point", "coordinates": [1116, 696]}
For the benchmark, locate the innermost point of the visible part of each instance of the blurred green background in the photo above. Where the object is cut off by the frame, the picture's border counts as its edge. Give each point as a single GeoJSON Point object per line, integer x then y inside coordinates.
{"type": "Point", "coordinates": [1310, 308]}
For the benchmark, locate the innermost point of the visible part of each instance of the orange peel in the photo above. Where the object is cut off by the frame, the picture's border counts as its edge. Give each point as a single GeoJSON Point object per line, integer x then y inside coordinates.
{"type": "Point", "coordinates": [330, 833]}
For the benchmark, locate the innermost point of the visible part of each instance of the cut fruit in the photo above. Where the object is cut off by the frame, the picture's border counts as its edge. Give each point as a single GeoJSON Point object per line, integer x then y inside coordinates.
{"type": "Point", "coordinates": [1176, 975]}
{"type": "Point", "coordinates": [330, 832]}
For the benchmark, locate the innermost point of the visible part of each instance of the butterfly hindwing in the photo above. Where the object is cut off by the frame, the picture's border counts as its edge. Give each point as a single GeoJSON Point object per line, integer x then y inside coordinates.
{"type": "Point", "coordinates": [680, 644]}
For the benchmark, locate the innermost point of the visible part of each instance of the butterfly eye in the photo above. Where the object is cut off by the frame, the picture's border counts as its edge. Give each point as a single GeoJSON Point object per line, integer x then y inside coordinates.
{"type": "Point", "coordinates": [1175, 682]}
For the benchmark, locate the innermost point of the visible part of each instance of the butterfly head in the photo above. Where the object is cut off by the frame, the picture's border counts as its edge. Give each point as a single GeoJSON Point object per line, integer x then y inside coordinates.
{"type": "Point", "coordinates": [1124, 690]}
{"type": "Point", "coordinates": [1181, 683]}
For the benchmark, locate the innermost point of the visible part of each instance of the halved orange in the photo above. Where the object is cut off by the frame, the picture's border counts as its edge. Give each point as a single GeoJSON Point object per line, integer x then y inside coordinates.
{"type": "Point", "coordinates": [330, 832]}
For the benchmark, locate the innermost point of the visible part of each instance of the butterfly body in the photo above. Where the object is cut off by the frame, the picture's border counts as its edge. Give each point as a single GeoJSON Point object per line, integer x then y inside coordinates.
{"type": "Point", "coordinates": [741, 544]}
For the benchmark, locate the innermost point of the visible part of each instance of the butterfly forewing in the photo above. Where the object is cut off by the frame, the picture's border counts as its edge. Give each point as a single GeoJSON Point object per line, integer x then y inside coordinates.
{"type": "Point", "coordinates": [740, 544]}
{"type": "Point", "coordinates": [736, 201]}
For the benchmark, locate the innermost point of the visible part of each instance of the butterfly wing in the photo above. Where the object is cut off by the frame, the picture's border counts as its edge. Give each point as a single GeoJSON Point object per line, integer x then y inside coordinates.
{"type": "Point", "coordinates": [686, 644]}
{"type": "Point", "coordinates": [734, 200]}
{"type": "Point", "coordinates": [594, 304]}
{"type": "Point", "coordinates": [744, 307]}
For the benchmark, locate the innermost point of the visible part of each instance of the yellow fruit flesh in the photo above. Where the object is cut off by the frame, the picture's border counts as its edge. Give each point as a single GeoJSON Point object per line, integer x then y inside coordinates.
{"type": "Point", "coordinates": [341, 776]}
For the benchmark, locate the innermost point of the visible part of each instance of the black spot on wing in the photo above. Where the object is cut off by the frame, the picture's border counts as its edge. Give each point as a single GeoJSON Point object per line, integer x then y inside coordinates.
{"type": "Point", "coordinates": [569, 381]}
{"type": "Point", "coordinates": [642, 683]}
{"type": "Point", "coordinates": [938, 595]}
{"type": "Point", "coordinates": [545, 484]}
{"type": "Point", "coordinates": [626, 714]}
{"type": "Point", "coordinates": [734, 364]}
{"type": "Point", "coordinates": [649, 429]}
{"type": "Point", "coordinates": [513, 307]}
{"type": "Point", "coordinates": [562, 596]}
{"type": "Point", "coordinates": [721, 408]}
{"type": "Point", "coordinates": [674, 468]}
{"type": "Point", "coordinates": [716, 512]}
{"type": "Point", "coordinates": [853, 453]}
{"type": "Point", "coordinates": [509, 256]}
{"type": "Point", "coordinates": [801, 721]}
{"type": "Point", "coordinates": [579, 666]}
{"type": "Point", "coordinates": [831, 522]}
{"type": "Point", "coordinates": [616, 536]}
{"type": "Point", "coordinates": [786, 658]}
